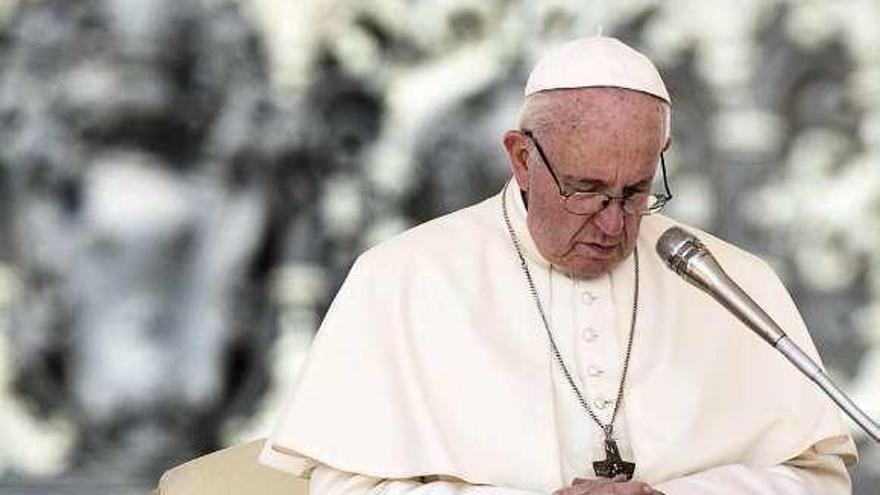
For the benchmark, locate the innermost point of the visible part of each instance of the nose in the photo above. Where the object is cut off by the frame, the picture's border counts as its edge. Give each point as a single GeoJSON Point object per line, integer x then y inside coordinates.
{"type": "Point", "coordinates": [610, 219]}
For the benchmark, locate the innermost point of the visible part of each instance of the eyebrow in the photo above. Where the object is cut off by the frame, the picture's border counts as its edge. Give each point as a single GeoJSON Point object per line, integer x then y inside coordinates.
{"type": "Point", "coordinates": [597, 184]}
{"type": "Point", "coordinates": [587, 183]}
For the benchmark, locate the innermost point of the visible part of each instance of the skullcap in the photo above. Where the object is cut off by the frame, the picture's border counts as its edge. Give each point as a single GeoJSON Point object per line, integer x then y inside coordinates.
{"type": "Point", "coordinates": [596, 61]}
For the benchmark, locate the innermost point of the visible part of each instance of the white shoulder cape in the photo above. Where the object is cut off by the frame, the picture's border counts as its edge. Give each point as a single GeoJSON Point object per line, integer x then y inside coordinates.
{"type": "Point", "coordinates": [432, 361]}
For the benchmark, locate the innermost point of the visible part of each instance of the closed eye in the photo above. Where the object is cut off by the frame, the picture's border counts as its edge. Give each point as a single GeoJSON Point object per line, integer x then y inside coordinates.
{"type": "Point", "coordinates": [629, 191]}
{"type": "Point", "coordinates": [584, 185]}
{"type": "Point", "coordinates": [639, 187]}
{"type": "Point", "coordinates": [588, 186]}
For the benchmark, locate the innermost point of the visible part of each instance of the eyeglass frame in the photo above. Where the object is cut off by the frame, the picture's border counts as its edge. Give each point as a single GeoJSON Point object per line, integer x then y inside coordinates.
{"type": "Point", "coordinates": [662, 200]}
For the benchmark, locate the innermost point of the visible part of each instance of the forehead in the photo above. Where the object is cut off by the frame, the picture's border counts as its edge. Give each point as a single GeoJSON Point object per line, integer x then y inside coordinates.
{"type": "Point", "coordinates": [614, 112]}
{"type": "Point", "coordinates": [601, 127]}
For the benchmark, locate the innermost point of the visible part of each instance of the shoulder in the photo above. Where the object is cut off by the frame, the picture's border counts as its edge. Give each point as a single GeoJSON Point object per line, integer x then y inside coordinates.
{"type": "Point", "coordinates": [727, 254]}
{"type": "Point", "coordinates": [754, 275]}
{"type": "Point", "coordinates": [462, 233]}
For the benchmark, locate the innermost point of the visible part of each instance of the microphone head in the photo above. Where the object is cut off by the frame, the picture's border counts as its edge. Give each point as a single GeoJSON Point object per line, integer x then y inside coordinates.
{"type": "Point", "coordinates": [677, 246]}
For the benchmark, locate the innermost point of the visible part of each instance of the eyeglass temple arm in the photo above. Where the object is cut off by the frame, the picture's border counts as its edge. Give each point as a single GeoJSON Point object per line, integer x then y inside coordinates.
{"type": "Point", "coordinates": [546, 162]}
{"type": "Point", "coordinates": [665, 181]}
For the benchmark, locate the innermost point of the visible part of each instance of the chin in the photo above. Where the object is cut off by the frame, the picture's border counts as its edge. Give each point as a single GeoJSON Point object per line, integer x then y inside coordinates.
{"type": "Point", "coordinates": [582, 266]}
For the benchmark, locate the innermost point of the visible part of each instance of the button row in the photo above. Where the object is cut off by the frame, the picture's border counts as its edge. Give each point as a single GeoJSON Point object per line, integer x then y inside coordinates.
{"type": "Point", "coordinates": [590, 334]}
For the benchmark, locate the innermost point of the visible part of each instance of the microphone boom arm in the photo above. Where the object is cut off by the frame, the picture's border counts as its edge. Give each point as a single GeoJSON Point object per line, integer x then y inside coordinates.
{"type": "Point", "coordinates": [809, 367]}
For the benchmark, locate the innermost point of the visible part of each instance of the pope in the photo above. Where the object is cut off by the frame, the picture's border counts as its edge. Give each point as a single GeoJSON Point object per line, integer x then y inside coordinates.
{"type": "Point", "coordinates": [534, 343]}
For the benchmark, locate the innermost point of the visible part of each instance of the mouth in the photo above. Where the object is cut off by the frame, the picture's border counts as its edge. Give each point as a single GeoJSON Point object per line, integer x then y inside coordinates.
{"type": "Point", "coordinates": [600, 251]}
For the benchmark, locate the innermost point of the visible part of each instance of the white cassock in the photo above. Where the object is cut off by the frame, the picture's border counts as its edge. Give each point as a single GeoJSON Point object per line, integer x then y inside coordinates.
{"type": "Point", "coordinates": [432, 373]}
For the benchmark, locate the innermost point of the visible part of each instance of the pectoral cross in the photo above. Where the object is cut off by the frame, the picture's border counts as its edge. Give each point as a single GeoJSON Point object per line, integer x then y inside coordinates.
{"type": "Point", "coordinates": [613, 465]}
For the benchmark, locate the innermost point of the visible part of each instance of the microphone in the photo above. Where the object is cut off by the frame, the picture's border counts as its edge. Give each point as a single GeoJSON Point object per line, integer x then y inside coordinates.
{"type": "Point", "coordinates": [685, 255]}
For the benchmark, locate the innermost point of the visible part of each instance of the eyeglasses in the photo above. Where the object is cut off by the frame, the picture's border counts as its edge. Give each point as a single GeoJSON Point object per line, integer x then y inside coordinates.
{"type": "Point", "coordinates": [589, 203]}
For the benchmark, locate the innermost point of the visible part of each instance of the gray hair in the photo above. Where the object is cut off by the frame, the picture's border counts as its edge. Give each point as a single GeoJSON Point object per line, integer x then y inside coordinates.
{"type": "Point", "coordinates": [535, 113]}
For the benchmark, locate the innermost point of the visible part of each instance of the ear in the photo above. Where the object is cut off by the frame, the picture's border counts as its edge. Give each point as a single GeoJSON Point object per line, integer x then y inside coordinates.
{"type": "Point", "coordinates": [516, 145]}
{"type": "Point", "coordinates": [667, 145]}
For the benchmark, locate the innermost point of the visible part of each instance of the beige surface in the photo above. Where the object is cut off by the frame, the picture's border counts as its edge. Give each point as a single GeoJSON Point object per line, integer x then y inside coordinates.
{"type": "Point", "coordinates": [232, 471]}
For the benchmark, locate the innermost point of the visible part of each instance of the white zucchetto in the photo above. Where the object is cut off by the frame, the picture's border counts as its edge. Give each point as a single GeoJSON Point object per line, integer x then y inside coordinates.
{"type": "Point", "coordinates": [596, 61]}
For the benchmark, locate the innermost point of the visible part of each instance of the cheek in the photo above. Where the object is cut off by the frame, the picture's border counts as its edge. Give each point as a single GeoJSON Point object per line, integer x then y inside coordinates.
{"type": "Point", "coordinates": [559, 230]}
{"type": "Point", "coordinates": [546, 221]}
{"type": "Point", "coordinates": [632, 231]}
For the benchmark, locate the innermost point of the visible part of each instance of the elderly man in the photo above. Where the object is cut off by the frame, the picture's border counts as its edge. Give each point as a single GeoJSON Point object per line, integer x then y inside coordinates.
{"type": "Point", "coordinates": [534, 343]}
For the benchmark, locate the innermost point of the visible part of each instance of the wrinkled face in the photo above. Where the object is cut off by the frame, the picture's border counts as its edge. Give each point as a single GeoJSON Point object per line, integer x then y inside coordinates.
{"type": "Point", "coordinates": [596, 139]}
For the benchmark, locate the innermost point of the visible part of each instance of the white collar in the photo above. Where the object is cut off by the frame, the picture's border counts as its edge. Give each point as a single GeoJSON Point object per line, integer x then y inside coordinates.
{"type": "Point", "coordinates": [516, 209]}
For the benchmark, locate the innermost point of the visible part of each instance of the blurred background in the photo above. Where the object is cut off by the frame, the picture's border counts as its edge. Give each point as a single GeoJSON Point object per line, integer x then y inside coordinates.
{"type": "Point", "coordinates": [184, 184]}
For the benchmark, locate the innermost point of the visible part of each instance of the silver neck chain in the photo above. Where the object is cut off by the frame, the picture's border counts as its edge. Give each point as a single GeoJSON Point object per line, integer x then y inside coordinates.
{"type": "Point", "coordinates": [607, 429]}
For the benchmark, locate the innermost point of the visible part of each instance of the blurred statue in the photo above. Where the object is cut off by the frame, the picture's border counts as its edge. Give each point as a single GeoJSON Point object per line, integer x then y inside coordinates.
{"type": "Point", "coordinates": [152, 174]}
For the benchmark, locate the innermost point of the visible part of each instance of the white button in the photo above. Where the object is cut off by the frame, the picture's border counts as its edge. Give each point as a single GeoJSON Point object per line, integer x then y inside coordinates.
{"type": "Point", "coordinates": [601, 402]}
{"type": "Point", "coordinates": [588, 297]}
{"type": "Point", "coordinates": [595, 371]}
{"type": "Point", "coordinates": [590, 334]}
